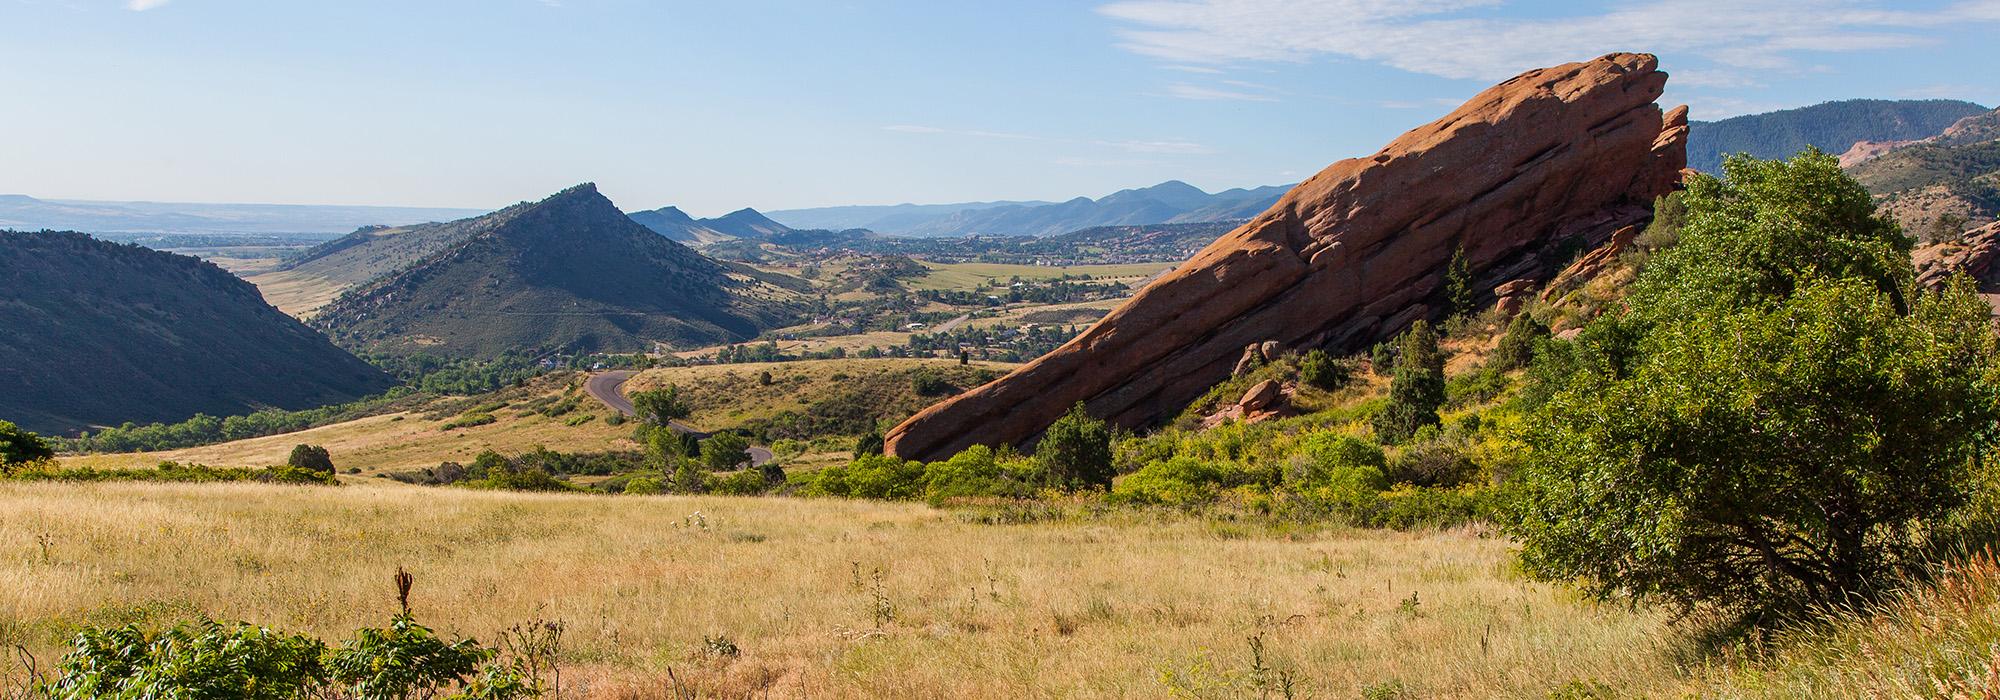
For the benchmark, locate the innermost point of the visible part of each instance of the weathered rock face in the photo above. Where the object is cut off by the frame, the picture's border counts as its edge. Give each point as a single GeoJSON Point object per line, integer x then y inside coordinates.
{"type": "Point", "coordinates": [1355, 253]}
{"type": "Point", "coordinates": [1977, 255]}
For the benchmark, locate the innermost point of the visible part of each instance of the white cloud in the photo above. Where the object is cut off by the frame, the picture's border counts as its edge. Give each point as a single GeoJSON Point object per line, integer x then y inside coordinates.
{"type": "Point", "coordinates": [1174, 147]}
{"type": "Point", "coordinates": [1464, 39]}
{"type": "Point", "coordinates": [1187, 91]}
{"type": "Point", "coordinates": [917, 129]}
{"type": "Point", "coordinates": [144, 5]}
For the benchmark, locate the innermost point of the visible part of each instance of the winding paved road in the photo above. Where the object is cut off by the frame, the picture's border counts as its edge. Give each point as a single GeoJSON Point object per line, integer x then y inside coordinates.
{"type": "Point", "coordinates": [607, 387]}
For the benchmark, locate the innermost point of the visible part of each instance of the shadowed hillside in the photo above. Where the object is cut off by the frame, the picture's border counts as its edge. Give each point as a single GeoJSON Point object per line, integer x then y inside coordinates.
{"type": "Point", "coordinates": [1832, 127]}
{"type": "Point", "coordinates": [568, 273]}
{"type": "Point", "coordinates": [100, 333]}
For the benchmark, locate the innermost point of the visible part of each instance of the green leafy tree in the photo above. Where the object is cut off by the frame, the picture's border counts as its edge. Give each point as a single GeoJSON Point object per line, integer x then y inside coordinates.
{"type": "Point", "coordinates": [1517, 345]}
{"type": "Point", "coordinates": [311, 457]}
{"type": "Point", "coordinates": [1076, 451]}
{"type": "Point", "coordinates": [1417, 390]}
{"type": "Point", "coordinates": [1778, 421]}
{"type": "Point", "coordinates": [660, 406]}
{"type": "Point", "coordinates": [870, 444]}
{"type": "Point", "coordinates": [725, 451]}
{"type": "Point", "coordinates": [1319, 369]}
{"type": "Point", "coordinates": [19, 446]}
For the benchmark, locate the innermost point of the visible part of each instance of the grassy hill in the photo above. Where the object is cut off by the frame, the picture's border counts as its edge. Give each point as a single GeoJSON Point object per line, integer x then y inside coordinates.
{"type": "Point", "coordinates": [99, 333]}
{"type": "Point", "coordinates": [1951, 174]}
{"type": "Point", "coordinates": [569, 273]}
{"type": "Point", "coordinates": [1831, 126]}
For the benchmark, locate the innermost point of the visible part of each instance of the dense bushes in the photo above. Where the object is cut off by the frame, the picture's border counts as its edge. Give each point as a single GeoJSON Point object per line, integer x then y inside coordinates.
{"type": "Point", "coordinates": [1418, 389]}
{"type": "Point", "coordinates": [173, 472]}
{"type": "Point", "coordinates": [208, 659]}
{"type": "Point", "coordinates": [1780, 419]}
{"type": "Point", "coordinates": [19, 446]}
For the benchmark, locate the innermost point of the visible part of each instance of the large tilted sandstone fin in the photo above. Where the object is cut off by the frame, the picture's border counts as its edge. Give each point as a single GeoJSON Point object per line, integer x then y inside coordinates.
{"type": "Point", "coordinates": [1352, 255]}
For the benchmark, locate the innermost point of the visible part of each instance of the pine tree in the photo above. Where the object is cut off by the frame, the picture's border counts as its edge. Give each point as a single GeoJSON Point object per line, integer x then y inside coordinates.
{"type": "Point", "coordinates": [1417, 390]}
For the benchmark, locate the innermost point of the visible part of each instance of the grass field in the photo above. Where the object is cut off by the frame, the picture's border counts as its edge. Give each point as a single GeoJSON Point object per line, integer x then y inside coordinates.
{"type": "Point", "coordinates": [296, 293]}
{"type": "Point", "coordinates": [969, 276]}
{"type": "Point", "coordinates": [724, 396]}
{"type": "Point", "coordinates": [399, 441]}
{"type": "Point", "coordinates": [828, 598]}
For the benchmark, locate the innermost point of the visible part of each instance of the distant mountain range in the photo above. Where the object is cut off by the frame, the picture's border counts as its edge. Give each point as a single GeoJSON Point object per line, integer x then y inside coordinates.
{"type": "Point", "coordinates": [1172, 202]}
{"type": "Point", "coordinates": [1831, 126]}
{"type": "Point", "coordinates": [744, 224]}
{"type": "Point", "coordinates": [570, 273]}
{"type": "Point", "coordinates": [100, 333]}
{"type": "Point", "coordinates": [24, 213]}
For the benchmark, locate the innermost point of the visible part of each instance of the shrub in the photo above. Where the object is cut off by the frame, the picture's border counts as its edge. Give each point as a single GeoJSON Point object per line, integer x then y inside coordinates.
{"type": "Point", "coordinates": [978, 472]}
{"type": "Point", "coordinates": [1320, 370]}
{"type": "Point", "coordinates": [871, 476]}
{"type": "Point", "coordinates": [470, 420]}
{"type": "Point", "coordinates": [1076, 451]}
{"type": "Point", "coordinates": [748, 482]}
{"type": "Point", "coordinates": [870, 444]}
{"type": "Point", "coordinates": [1179, 481]}
{"type": "Point", "coordinates": [644, 486]}
{"type": "Point", "coordinates": [1418, 389]}
{"type": "Point", "coordinates": [660, 406]}
{"type": "Point", "coordinates": [204, 659]}
{"type": "Point", "coordinates": [1406, 507]}
{"type": "Point", "coordinates": [407, 659]}
{"type": "Point", "coordinates": [1434, 463]}
{"type": "Point", "coordinates": [19, 446]}
{"type": "Point", "coordinates": [927, 382]}
{"type": "Point", "coordinates": [310, 457]}
{"type": "Point", "coordinates": [725, 451]}
{"type": "Point", "coordinates": [1517, 345]}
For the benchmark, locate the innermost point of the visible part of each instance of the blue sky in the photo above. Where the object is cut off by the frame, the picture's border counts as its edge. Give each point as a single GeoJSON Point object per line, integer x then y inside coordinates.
{"type": "Point", "coordinates": [718, 105]}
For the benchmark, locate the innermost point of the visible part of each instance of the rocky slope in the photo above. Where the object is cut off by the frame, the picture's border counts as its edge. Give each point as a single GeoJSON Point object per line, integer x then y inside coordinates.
{"type": "Point", "coordinates": [99, 333]}
{"type": "Point", "coordinates": [570, 273]}
{"type": "Point", "coordinates": [1950, 179]}
{"type": "Point", "coordinates": [1358, 252]}
{"type": "Point", "coordinates": [1833, 127]}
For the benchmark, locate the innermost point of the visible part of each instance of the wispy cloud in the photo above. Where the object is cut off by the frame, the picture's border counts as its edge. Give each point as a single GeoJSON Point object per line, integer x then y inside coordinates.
{"type": "Point", "coordinates": [1163, 146]}
{"type": "Point", "coordinates": [1188, 91]}
{"type": "Point", "coordinates": [1174, 147]}
{"type": "Point", "coordinates": [1463, 39]}
{"type": "Point", "coordinates": [144, 5]}
{"type": "Point", "coordinates": [916, 129]}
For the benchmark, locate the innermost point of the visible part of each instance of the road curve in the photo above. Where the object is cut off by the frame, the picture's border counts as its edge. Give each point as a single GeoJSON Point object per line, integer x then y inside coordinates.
{"type": "Point", "coordinates": [608, 388]}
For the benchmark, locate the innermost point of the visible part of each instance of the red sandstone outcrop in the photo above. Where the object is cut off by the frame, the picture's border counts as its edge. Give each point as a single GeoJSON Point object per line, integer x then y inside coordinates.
{"type": "Point", "coordinates": [1977, 255]}
{"type": "Point", "coordinates": [1355, 253]}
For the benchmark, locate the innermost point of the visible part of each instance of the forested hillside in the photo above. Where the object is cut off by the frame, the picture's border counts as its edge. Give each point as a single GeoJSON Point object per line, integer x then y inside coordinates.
{"type": "Point", "coordinates": [1831, 127]}
{"type": "Point", "coordinates": [101, 333]}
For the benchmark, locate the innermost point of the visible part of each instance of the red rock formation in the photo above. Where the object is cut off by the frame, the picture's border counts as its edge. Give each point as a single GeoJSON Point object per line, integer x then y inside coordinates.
{"type": "Point", "coordinates": [1354, 254]}
{"type": "Point", "coordinates": [1977, 254]}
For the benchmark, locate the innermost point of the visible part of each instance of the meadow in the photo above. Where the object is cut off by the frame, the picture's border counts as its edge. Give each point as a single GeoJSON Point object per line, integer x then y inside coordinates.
{"type": "Point", "coordinates": [829, 598]}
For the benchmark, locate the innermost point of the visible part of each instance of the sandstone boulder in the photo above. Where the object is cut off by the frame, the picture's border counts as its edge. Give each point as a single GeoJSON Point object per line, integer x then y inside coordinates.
{"type": "Point", "coordinates": [1355, 253]}
{"type": "Point", "coordinates": [1260, 396]}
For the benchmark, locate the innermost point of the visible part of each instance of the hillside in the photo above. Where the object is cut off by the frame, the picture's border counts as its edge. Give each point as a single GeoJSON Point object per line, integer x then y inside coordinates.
{"type": "Point", "coordinates": [301, 285]}
{"type": "Point", "coordinates": [1949, 179]}
{"type": "Point", "coordinates": [569, 273]}
{"type": "Point", "coordinates": [100, 333]}
{"type": "Point", "coordinates": [1832, 127]}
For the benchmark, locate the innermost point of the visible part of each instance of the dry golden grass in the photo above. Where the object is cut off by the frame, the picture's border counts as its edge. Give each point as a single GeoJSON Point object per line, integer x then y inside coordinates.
{"type": "Point", "coordinates": [824, 598]}
{"type": "Point", "coordinates": [393, 442]}
{"type": "Point", "coordinates": [724, 396]}
{"type": "Point", "coordinates": [296, 293]}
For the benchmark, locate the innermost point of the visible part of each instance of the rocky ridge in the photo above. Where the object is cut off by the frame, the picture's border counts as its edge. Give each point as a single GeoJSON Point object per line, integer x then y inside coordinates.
{"type": "Point", "coordinates": [1356, 253]}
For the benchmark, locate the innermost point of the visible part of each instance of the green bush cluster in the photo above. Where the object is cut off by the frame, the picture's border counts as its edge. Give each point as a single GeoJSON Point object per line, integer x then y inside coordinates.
{"type": "Point", "coordinates": [174, 472]}
{"type": "Point", "coordinates": [208, 659]}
